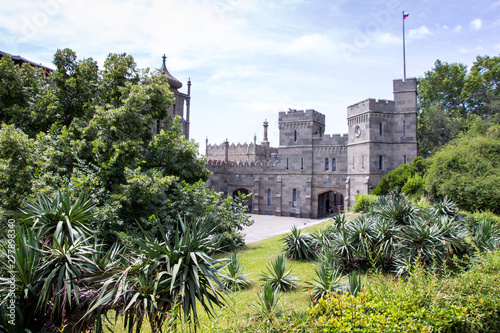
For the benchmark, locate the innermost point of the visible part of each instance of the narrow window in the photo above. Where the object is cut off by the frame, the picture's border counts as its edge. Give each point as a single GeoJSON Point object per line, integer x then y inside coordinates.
{"type": "Point", "coordinates": [327, 164]}
{"type": "Point", "coordinates": [269, 197]}
{"type": "Point", "coordinates": [334, 164]}
{"type": "Point", "coordinates": [302, 164]}
{"type": "Point", "coordinates": [287, 163]}
{"type": "Point", "coordinates": [404, 159]}
{"type": "Point", "coordinates": [294, 198]}
{"type": "Point", "coordinates": [380, 129]}
{"type": "Point", "coordinates": [404, 129]}
{"type": "Point", "coordinates": [363, 162]}
{"type": "Point", "coordinates": [353, 162]}
{"type": "Point", "coordinates": [294, 136]}
{"type": "Point", "coordinates": [381, 162]}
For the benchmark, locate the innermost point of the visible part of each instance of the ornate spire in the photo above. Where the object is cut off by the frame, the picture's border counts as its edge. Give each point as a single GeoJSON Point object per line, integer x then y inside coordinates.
{"type": "Point", "coordinates": [172, 81]}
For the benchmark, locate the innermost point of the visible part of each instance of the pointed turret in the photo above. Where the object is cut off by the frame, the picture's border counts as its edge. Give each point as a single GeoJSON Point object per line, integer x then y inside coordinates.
{"type": "Point", "coordinates": [172, 81]}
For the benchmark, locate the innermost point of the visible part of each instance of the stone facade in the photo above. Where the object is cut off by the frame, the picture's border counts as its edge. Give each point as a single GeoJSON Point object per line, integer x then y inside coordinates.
{"type": "Point", "coordinates": [312, 174]}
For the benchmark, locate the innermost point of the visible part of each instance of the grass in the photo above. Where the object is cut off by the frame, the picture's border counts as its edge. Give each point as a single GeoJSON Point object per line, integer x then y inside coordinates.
{"type": "Point", "coordinates": [255, 257]}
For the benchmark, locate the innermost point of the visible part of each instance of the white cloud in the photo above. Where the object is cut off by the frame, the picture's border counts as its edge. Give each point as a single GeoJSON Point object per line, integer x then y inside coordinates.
{"type": "Point", "coordinates": [309, 43]}
{"type": "Point", "coordinates": [419, 32]}
{"type": "Point", "coordinates": [387, 38]}
{"type": "Point", "coordinates": [476, 24]}
{"type": "Point", "coordinates": [458, 28]}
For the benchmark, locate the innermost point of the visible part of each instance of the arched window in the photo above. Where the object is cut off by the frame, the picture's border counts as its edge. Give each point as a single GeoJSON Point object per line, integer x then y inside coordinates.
{"type": "Point", "coordinates": [269, 197]}
{"type": "Point", "coordinates": [381, 162]}
{"type": "Point", "coordinates": [327, 164]}
{"type": "Point", "coordinates": [334, 164]}
{"type": "Point", "coordinates": [294, 198]}
{"type": "Point", "coordinates": [294, 136]}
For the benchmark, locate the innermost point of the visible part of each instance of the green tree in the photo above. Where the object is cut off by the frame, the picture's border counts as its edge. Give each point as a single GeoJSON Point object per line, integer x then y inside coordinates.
{"type": "Point", "coordinates": [441, 105]}
{"type": "Point", "coordinates": [397, 178]}
{"type": "Point", "coordinates": [468, 172]}
{"type": "Point", "coordinates": [90, 130]}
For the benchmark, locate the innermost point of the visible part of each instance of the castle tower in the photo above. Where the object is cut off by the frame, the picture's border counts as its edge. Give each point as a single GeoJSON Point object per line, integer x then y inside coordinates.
{"type": "Point", "coordinates": [382, 136]}
{"type": "Point", "coordinates": [180, 99]}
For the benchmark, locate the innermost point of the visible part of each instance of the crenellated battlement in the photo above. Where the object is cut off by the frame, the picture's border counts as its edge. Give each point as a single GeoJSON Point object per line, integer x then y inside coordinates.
{"type": "Point", "coordinates": [217, 164]}
{"type": "Point", "coordinates": [370, 105]}
{"type": "Point", "coordinates": [302, 115]}
{"type": "Point", "coordinates": [333, 140]}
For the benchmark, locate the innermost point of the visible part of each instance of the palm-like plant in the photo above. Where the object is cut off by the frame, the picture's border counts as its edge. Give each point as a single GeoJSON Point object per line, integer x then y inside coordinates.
{"type": "Point", "coordinates": [342, 246]}
{"type": "Point", "coordinates": [298, 245]}
{"type": "Point", "coordinates": [444, 207]}
{"type": "Point", "coordinates": [385, 232]}
{"type": "Point", "coordinates": [167, 279]}
{"type": "Point", "coordinates": [65, 265]}
{"type": "Point", "coordinates": [486, 236]}
{"type": "Point", "coordinates": [425, 241]}
{"type": "Point", "coordinates": [278, 275]}
{"type": "Point", "coordinates": [395, 208]}
{"type": "Point", "coordinates": [28, 277]}
{"type": "Point", "coordinates": [327, 280]}
{"type": "Point", "coordinates": [268, 302]}
{"type": "Point", "coordinates": [47, 214]}
{"type": "Point", "coordinates": [321, 240]}
{"type": "Point", "coordinates": [362, 235]}
{"type": "Point", "coordinates": [233, 277]}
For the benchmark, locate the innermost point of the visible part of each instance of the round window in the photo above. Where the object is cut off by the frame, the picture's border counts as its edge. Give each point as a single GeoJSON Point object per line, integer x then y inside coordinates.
{"type": "Point", "coordinates": [357, 130]}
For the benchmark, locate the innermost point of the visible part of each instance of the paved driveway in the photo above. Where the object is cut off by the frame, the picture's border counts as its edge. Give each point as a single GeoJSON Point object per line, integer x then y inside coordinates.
{"type": "Point", "coordinates": [266, 226]}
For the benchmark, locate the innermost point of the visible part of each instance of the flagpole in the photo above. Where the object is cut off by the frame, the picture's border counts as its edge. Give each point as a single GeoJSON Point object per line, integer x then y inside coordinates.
{"type": "Point", "coordinates": [404, 55]}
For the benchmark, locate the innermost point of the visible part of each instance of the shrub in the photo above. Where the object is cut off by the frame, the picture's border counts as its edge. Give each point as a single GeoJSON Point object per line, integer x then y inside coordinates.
{"type": "Point", "coordinates": [363, 202]}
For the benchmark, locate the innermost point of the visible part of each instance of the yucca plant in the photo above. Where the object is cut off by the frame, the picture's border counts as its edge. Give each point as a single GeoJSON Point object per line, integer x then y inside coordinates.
{"type": "Point", "coordinates": [278, 275]}
{"type": "Point", "coordinates": [46, 214]}
{"type": "Point", "coordinates": [268, 302]}
{"type": "Point", "coordinates": [167, 279]}
{"type": "Point", "coordinates": [233, 277]}
{"type": "Point", "coordinates": [28, 277]}
{"type": "Point", "coordinates": [355, 283]}
{"type": "Point", "coordinates": [444, 207]}
{"type": "Point", "coordinates": [362, 235]}
{"type": "Point", "coordinates": [338, 221]}
{"type": "Point", "coordinates": [327, 280]}
{"type": "Point", "coordinates": [298, 245]}
{"type": "Point", "coordinates": [486, 236]}
{"type": "Point", "coordinates": [321, 240]}
{"type": "Point", "coordinates": [395, 207]}
{"type": "Point", "coordinates": [342, 246]}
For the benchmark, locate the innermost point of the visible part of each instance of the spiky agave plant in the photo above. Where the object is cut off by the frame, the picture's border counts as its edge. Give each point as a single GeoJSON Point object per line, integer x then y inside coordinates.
{"type": "Point", "coordinates": [278, 275]}
{"type": "Point", "coordinates": [46, 214]}
{"type": "Point", "coordinates": [486, 236]}
{"type": "Point", "coordinates": [168, 279]}
{"type": "Point", "coordinates": [298, 245]}
{"type": "Point", "coordinates": [234, 276]}
{"type": "Point", "coordinates": [268, 302]}
{"type": "Point", "coordinates": [328, 279]}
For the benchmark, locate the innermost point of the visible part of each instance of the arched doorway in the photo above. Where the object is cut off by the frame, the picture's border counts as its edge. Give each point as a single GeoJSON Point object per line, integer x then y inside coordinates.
{"type": "Point", "coordinates": [329, 203]}
{"type": "Point", "coordinates": [247, 201]}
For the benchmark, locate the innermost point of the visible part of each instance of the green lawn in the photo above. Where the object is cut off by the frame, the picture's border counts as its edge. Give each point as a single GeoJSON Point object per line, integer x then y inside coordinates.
{"type": "Point", "coordinates": [255, 257]}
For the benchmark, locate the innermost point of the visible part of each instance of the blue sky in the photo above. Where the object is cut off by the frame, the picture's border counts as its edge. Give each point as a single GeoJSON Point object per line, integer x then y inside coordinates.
{"type": "Point", "coordinates": [250, 59]}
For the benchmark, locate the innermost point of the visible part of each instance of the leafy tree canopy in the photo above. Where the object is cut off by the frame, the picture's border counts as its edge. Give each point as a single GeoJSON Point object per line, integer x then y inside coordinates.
{"type": "Point", "coordinates": [449, 96]}
{"type": "Point", "coordinates": [89, 130]}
